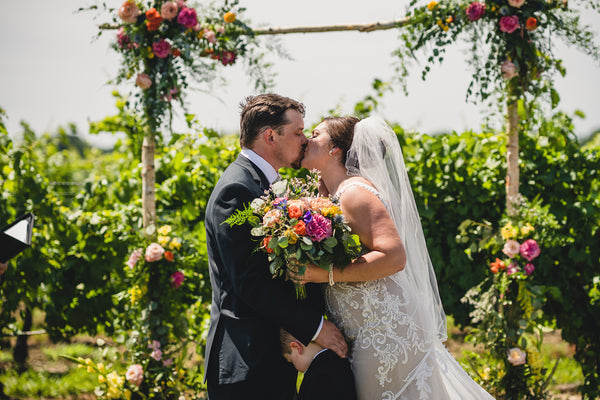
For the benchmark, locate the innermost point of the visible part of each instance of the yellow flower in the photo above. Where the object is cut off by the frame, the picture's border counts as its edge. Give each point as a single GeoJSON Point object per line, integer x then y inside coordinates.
{"type": "Point", "coordinates": [128, 394]}
{"type": "Point", "coordinates": [485, 374]}
{"type": "Point", "coordinates": [509, 232]}
{"type": "Point", "coordinates": [151, 55]}
{"type": "Point", "coordinates": [331, 211]}
{"type": "Point", "coordinates": [164, 230]}
{"type": "Point", "coordinates": [101, 378]}
{"type": "Point", "coordinates": [449, 19]}
{"type": "Point", "coordinates": [136, 294]}
{"type": "Point", "coordinates": [114, 380]}
{"type": "Point", "coordinates": [432, 5]}
{"type": "Point", "coordinates": [291, 236]}
{"type": "Point", "coordinates": [527, 229]}
{"type": "Point", "coordinates": [445, 28]}
{"type": "Point", "coordinates": [175, 244]}
{"type": "Point", "coordinates": [101, 368]}
{"type": "Point", "coordinates": [113, 392]}
{"type": "Point", "coordinates": [229, 17]}
{"type": "Point", "coordinates": [163, 240]}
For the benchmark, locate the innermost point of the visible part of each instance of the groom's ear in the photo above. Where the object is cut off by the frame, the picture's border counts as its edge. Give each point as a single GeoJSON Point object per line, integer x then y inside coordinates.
{"type": "Point", "coordinates": [268, 135]}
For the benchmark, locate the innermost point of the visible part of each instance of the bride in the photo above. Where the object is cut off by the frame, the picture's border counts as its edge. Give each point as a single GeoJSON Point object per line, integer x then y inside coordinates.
{"type": "Point", "coordinates": [385, 302]}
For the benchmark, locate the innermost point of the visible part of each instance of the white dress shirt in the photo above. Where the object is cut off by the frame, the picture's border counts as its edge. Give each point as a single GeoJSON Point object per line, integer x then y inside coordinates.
{"type": "Point", "coordinates": [271, 174]}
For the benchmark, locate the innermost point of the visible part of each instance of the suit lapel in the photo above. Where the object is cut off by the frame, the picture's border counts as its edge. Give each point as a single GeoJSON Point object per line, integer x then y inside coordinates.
{"type": "Point", "coordinates": [258, 176]}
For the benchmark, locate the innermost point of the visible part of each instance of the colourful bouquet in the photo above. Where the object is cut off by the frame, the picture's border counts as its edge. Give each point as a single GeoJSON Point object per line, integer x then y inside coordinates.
{"type": "Point", "coordinates": [294, 226]}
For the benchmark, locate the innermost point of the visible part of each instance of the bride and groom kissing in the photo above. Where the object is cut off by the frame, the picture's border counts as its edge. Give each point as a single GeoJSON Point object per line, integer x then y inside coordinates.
{"type": "Point", "coordinates": [385, 319]}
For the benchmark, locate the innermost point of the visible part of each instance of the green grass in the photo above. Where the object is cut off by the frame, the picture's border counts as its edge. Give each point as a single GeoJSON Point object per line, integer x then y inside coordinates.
{"type": "Point", "coordinates": [46, 384]}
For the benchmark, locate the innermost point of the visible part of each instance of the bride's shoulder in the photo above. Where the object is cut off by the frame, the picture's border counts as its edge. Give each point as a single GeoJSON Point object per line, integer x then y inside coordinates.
{"type": "Point", "coordinates": [356, 189]}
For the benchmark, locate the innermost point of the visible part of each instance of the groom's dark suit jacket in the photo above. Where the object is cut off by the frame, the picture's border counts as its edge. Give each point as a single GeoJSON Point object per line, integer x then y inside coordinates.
{"type": "Point", "coordinates": [248, 305]}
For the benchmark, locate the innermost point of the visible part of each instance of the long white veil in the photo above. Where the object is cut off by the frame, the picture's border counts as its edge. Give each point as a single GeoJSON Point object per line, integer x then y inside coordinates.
{"type": "Point", "coordinates": [375, 154]}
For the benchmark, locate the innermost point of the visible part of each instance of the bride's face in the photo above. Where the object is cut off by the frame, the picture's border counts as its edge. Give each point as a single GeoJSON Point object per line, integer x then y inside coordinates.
{"type": "Point", "coordinates": [317, 149]}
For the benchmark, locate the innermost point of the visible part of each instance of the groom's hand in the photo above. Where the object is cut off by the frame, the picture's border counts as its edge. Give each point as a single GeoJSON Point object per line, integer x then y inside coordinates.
{"type": "Point", "coordinates": [331, 338]}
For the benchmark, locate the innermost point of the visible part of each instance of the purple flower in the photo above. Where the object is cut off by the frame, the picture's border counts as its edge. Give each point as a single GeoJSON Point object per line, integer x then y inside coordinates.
{"type": "Point", "coordinates": [509, 24]}
{"type": "Point", "coordinates": [187, 17]}
{"type": "Point", "coordinates": [123, 39]}
{"type": "Point", "coordinates": [529, 268]}
{"type": "Point", "coordinates": [307, 217]}
{"type": "Point", "coordinates": [161, 49]}
{"type": "Point", "coordinates": [319, 228]}
{"type": "Point", "coordinates": [475, 11]}
{"type": "Point", "coordinates": [530, 249]}
{"type": "Point", "coordinates": [512, 268]}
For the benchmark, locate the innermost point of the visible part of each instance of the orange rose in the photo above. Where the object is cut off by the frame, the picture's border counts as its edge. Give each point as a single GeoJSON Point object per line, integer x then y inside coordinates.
{"type": "Point", "coordinates": [294, 211]}
{"type": "Point", "coordinates": [265, 244]}
{"type": "Point", "coordinates": [169, 255]}
{"type": "Point", "coordinates": [229, 17]}
{"type": "Point", "coordinates": [300, 228]}
{"type": "Point", "coordinates": [497, 265]}
{"type": "Point", "coordinates": [176, 52]}
{"type": "Point", "coordinates": [531, 24]}
{"type": "Point", "coordinates": [153, 19]}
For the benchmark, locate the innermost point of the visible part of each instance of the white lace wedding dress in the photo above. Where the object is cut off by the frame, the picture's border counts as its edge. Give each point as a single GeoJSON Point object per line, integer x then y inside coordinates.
{"type": "Point", "coordinates": [392, 356]}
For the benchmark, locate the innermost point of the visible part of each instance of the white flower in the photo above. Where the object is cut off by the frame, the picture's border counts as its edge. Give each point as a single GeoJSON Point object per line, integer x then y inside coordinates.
{"type": "Point", "coordinates": [280, 187]}
{"type": "Point", "coordinates": [135, 374]}
{"type": "Point", "coordinates": [511, 248]}
{"type": "Point", "coordinates": [257, 205]}
{"type": "Point", "coordinates": [516, 356]}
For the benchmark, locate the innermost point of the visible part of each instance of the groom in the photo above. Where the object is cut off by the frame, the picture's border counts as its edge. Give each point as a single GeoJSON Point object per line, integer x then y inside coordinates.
{"type": "Point", "coordinates": [243, 358]}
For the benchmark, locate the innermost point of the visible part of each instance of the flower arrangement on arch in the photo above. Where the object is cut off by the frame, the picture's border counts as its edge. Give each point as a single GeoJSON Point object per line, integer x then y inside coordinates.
{"type": "Point", "coordinates": [155, 339]}
{"type": "Point", "coordinates": [294, 226]}
{"type": "Point", "coordinates": [509, 39]}
{"type": "Point", "coordinates": [507, 306]}
{"type": "Point", "coordinates": [164, 43]}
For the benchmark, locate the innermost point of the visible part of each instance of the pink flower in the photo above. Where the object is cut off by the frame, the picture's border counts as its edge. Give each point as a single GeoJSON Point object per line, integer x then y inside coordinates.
{"type": "Point", "coordinates": [143, 81]}
{"type": "Point", "coordinates": [516, 3]}
{"type": "Point", "coordinates": [508, 69]}
{"type": "Point", "coordinates": [221, 29]}
{"type": "Point", "coordinates": [154, 252]}
{"type": "Point", "coordinates": [530, 249]}
{"type": "Point", "coordinates": [172, 94]}
{"type": "Point", "coordinates": [187, 17]}
{"type": "Point", "coordinates": [209, 35]}
{"type": "Point", "coordinates": [511, 248]}
{"type": "Point", "coordinates": [475, 11]}
{"type": "Point", "coordinates": [167, 362]}
{"type": "Point", "coordinates": [529, 268]}
{"type": "Point", "coordinates": [516, 356]}
{"type": "Point", "coordinates": [177, 279]}
{"type": "Point", "coordinates": [154, 345]}
{"type": "Point", "coordinates": [156, 354]}
{"type": "Point", "coordinates": [122, 39]}
{"type": "Point", "coordinates": [129, 12]}
{"type": "Point", "coordinates": [509, 24]}
{"type": "Point", "coordinates": [318, 228]}
{"type": "Point", "coordinates": [135, 374]}
{"type": "Point", "coordinates": [169, 10]}
{"type": "Point", "coordinates": [272, 217]}
{"type": "Point", "coordinates": [134, 257]}
{"type": "Point", "coordinates": [512, 268]}
{"type": "Point", "coordinates": [161, 49]}
{"type": "Point", "coordinates": [228, 57]}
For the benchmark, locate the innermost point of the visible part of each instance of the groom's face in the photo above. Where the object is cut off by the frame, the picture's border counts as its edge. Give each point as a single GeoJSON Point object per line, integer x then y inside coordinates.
{"type": "Point", "coordinates": [292, 141]}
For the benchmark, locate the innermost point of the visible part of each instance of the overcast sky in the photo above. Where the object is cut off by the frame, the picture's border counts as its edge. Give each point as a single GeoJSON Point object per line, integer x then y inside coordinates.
{"type": "Point", "coordinates": [53, 72]}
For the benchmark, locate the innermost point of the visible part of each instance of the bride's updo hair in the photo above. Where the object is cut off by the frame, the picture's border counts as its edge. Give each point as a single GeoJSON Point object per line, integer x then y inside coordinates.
{"type": "Point", "coordinates": [341, 132]}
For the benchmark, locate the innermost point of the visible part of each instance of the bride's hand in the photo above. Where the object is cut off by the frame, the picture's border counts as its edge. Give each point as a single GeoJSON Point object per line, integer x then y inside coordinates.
{"type": "Point", "coordinates": [313, 273]}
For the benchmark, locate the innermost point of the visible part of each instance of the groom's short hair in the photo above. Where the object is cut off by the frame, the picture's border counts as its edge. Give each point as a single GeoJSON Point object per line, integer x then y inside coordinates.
{"type": "Point", "coordinates": [265, 111]}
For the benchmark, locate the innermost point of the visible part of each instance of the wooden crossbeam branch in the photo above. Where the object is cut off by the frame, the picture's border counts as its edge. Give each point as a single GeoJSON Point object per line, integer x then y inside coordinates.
{"type": "Point", "coordinates": [376, 26]}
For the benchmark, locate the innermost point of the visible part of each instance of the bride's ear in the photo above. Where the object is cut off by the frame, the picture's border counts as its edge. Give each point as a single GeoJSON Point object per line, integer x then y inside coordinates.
{"type": "Point", "coordinates": [333, 151]}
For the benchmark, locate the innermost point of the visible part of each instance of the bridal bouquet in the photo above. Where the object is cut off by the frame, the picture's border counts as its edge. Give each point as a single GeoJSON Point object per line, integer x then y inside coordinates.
{"type": "Point", "coordinates": [294, 227]}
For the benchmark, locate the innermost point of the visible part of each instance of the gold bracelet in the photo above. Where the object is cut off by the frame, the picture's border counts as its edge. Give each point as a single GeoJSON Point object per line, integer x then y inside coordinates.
{"type": "Point", "coordinates": [331, 282]}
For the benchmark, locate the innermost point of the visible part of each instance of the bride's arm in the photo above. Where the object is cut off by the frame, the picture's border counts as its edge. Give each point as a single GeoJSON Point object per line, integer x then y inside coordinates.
{"type": "Point", "coordinates": [369, 219]}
